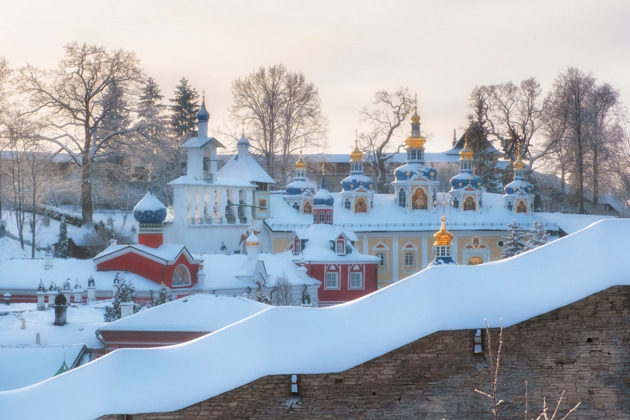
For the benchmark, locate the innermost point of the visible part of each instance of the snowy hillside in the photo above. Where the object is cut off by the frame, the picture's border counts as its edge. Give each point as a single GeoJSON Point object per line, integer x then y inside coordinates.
{"type": "Point", "coordinates": [289, 340]}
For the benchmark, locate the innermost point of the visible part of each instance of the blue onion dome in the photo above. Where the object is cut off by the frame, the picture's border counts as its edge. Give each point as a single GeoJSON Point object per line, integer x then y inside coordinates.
{"type": "Point", "coordinates": [411, 171]}
{"type": "Point", "coordinates": [323, 198]}
{"type": "Point", "coordinates": [203, 114]}
{"type": "Point", "coordinates": [355, 181]}
{"type": "Point", "coordinates": [300, 186]}
{"type": "Point", "coordinates": [519, 186]}
{"type": "Point", "coordinates": [465, 180]}
{"type": "Point", "coordinates": [149, 210]}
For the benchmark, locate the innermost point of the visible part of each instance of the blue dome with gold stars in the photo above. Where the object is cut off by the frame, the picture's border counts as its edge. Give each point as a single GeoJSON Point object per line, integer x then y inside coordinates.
{"type": "Point", "coordinates": [150, 210]}
{"type": "Point", "coordinates": [412, 171]}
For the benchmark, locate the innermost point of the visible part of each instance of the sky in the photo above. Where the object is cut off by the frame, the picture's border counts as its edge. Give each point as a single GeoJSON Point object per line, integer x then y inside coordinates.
{"type": "Point", "coordinates": [348, 49]}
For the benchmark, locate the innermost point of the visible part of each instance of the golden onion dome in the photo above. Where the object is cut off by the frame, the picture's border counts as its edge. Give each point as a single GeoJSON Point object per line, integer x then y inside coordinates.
{"type": "Point", "coordinates": [356, 155]}
{"type": "Point", "coordinates": [300, 164]}
{"type": "Point", "coordinates": [466, 152]}
{"type": "Point", "coordinates": [443, 236]}
{"type": "Point", "coordinates": [415, 141]}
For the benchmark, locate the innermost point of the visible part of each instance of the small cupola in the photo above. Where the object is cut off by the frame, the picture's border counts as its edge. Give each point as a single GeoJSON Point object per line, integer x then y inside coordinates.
{"type": "Point", "coordinates": [150, 214]}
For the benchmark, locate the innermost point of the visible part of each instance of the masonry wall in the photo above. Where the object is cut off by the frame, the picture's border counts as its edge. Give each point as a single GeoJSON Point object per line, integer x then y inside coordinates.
{"type": "Point", "coordinates": [582, 348]}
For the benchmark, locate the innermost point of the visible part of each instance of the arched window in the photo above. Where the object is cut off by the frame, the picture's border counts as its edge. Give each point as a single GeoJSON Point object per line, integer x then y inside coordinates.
{"type": "Point", "coordinates": [296, 205]}
{"type": "Point", "coordinates": [408, 259]}
{"type": "Point", "coordinates": [455, 203]}
{"type": "Point", "coordinates": [469, 203]}
{"type": "Point", "coordinates": [419, 201]}
{"type": "Point", "coordinates": [181, 276]}
{"type": "Point", "coordinates": [510, 206]}
{"type": "Point", "coordinates": [321, 217]}
{"type": "Point", "coordinates": [402, 198]}
{"type": "Point", "coordinates": [346, 204]}
{"type": "Point", "coordinates": [328, 217]}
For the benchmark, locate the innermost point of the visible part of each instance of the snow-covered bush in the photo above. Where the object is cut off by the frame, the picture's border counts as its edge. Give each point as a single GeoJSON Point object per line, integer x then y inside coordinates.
{"type": "Point", "coordinates": [163, 295]}
{"type": "Point", "coordinates": [125, 292]}
{"type": "Point", "coordinates": [514, 243]}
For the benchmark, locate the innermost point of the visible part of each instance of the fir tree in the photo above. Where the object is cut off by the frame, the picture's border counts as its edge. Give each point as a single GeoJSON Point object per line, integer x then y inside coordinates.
{"type": "Point", "coordinates": [61, 250]}
{"type": "Point", "coordinates": [125, 292]}
{"type": "Point", "coordinates": [514, 243]}
{"type": "Point", "coordinates": [163, 295]}
{"type": "Point", "coordinates": [538, 235]}
{"type": "Point", "coordinates": [184, 109]}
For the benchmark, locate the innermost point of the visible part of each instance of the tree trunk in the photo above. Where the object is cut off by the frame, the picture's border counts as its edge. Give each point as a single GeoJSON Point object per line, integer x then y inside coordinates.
{"type": "Point", "coordinates": [87, 207]}
{"type": "Point", "coordinates": [595, 176]}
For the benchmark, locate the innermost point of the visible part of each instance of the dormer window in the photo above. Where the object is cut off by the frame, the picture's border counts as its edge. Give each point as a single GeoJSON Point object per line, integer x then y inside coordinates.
{"type": "Point", "coordinates": [341, 246]}
{"type": "Point", "coordinates": [297, 246]}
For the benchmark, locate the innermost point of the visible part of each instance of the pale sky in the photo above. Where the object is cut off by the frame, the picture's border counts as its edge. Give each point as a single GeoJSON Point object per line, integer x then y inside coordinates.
{"type": "Point", "coordinates": [348, 49]}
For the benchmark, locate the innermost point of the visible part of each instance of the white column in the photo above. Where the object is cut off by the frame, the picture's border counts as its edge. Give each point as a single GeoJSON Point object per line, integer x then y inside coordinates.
{"type": "Point", "coordinates": [199, 201]}
{"type": "Point", "coordinates": [221, 202]}
{"type": "Point", "coordinates": [249, 201]}
{"type": "Point", "coordinates": [395, 258]}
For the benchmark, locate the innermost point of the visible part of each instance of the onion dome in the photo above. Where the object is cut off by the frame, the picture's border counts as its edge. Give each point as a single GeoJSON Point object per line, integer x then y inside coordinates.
{"type": "Point", "coordinates": [442, 236]}
{"type": "Point", "coordinates": [519, 186]}
{"type": "Point", "coordinates": [300, 164]}
{"type": "Point", "coordinates": [466, 153]}
{"type": "Point", "coordinates": [252, 240]}
{"type": "Point", "coordinates": [355, 181]}
{"type": "Point", "coordinates": [243, 141]}
{"type": "Point", "coordinates": [203, 115]}
{"type": "Point", "coordinates": [356, 155]}
{"type": "Point", "coordinates": [466, 180]}
{"type": "Point", "coordinates": [413, 171]}
{"type": "Point", "coordinates": [415, 140]}
{"type": "Point", "coordinates": [150, 210]}
{"type": "Point", "coordinates": [323, 196]}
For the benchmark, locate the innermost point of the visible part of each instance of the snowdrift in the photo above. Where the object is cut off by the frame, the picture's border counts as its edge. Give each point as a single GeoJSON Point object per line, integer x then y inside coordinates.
{"type": "Point", "coordinates": [294, 340]}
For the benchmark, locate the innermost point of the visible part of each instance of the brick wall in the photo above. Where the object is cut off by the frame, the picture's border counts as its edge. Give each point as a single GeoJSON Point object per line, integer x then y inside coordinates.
{"type": "Point", "coordinates": [582, 348]}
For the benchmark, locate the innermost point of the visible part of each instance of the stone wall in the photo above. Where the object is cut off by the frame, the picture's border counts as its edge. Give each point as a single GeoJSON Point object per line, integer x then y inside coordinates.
{"type": "Point", "coordinates": [582, 348]}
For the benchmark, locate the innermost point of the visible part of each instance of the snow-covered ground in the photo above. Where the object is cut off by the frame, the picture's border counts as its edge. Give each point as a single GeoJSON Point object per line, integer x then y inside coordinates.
{"type": "Point", "coordinates": [294, 340]}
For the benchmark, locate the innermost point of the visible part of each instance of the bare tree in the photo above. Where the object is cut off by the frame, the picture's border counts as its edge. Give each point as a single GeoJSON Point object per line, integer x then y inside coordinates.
{"type": "Point", "coordinates": [388, 112]}
{"type": "Point", "coordinates": [76, 102]}
{"type": "Point", "coordinates": [281, 111]}
{"type": "Point", "coordinates": [513, 114]}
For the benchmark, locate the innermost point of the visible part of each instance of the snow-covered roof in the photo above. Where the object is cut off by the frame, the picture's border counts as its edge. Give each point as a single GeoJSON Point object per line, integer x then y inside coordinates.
{"type": "Point", "coordinates": [200, 313]}
{"type": "Point", "coordinates": [219, 181]}
{"type": "Point", "coordinates": [300, 340]}
{"type": "Point", "coordinates": [244, 167]}
{"type": "Point", "coordinates": [232, 271]}
{"type": "Point", "coordinates": [319, 248]}
{"type": "Point", "coordinates": [166, 253]}
{"type": "Point", "coordinates": [199, 142]}
{"type": "Point", "coordinates": [385, 215]}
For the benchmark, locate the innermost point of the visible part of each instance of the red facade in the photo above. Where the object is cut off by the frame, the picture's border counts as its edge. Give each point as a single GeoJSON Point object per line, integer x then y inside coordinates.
{"type": "Point", "coordinates": [158, 271]}
{"type": "Point", "coordinates": [153, 240]}
{"type": "Point", "coordinates": [343, 282]}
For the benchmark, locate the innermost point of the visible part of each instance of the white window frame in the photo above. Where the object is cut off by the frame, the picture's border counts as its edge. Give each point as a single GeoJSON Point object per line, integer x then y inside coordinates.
{"type": "Point", "coordinates": [358, 286]}
{"type": "Point", "coordinates": [330, 284]}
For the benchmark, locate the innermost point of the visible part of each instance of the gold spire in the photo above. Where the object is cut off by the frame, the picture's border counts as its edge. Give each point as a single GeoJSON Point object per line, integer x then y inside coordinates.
{"type": "Point", "coordinates": [415, 139]}
{"type": "Point", "coordinates": [356, 155]}
{"type": "Point", "coordinates": [300, 164]}
{"type": "Point", "coordinates": [466, 153]}
{"type": "Point", "coordinates": [443, 236]}
{"type": "Point", "coordinates": [518, 163]}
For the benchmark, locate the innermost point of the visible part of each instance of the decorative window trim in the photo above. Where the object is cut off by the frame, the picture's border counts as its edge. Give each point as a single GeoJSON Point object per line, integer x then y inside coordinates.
{"type": "Point", "coordinates": [332, 280]}
{"type": "Point", "coordinates": [358, 285]}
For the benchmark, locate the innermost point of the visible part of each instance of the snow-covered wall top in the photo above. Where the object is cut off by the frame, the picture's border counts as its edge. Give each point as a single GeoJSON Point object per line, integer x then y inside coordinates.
{"type": "Point", "coordinates": [294, 340]}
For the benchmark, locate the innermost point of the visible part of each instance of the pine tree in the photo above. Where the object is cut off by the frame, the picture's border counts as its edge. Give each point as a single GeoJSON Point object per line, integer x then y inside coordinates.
{"type": "Point", "coordinates": [184, 110]}
{"type": "Point", "coordinates": [538, 235]}
{"type": "Point", "coordinates": [61, 250]}
{"type": "Point", "coordinates": [514, 243]}
{"type": "Point", "coordinates": [126, 292]}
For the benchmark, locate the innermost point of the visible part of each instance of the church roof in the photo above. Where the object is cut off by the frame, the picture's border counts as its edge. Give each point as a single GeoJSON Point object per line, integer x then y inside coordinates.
{"type": "Point", "coordinates": [245, 168]}
{"type": "Point", "coordinates": [199, 142]}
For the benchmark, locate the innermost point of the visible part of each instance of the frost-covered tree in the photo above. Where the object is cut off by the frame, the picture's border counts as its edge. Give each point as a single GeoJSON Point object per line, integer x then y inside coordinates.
{"type": "Point", "coordinates": [81, 103]}
{"type": "Point", "coordinates": [514, 242]}
{"type": "Point", "coordinates": [125, 292]}
{"type": "Point", "coordinates": [282, 293]}
{"type": "Point", "coordinates": [163, 295]}
{"type": "Point", "coordinates": [537, 236]}
{"type": "Point", "coordinates": [61, 250]}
